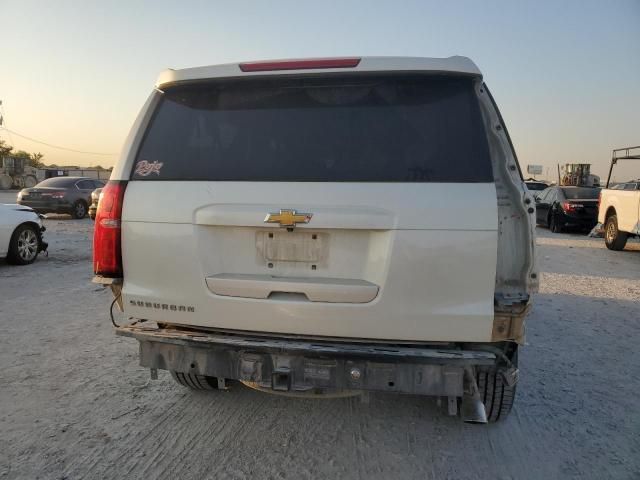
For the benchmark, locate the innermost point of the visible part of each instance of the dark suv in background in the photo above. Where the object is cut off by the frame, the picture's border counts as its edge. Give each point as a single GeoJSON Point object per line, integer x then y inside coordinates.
{"type": "Point", "coordinates": [71, 195]}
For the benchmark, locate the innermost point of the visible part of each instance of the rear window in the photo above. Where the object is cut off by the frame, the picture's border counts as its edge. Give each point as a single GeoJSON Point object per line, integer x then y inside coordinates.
{"type": "Point", "coordinates": [580, 193]}
{"type": "Point", "coordinates": [533, 186]}
{"type": "Point", "coordinates": [58, 182]}
{"type": "Point", "coordinates": [335, 129]}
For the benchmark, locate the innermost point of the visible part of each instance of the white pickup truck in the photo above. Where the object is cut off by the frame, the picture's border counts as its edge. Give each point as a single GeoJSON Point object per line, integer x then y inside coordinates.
{"type": "Point", "coordinates": [324, 225]}
{"type": "Point", "coordinates": [619, 212]}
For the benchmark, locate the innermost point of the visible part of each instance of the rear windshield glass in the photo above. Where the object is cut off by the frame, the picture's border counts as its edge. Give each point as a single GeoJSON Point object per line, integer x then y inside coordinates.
{"type": "Point", "coordinates": [347, 129]}
{"type": "Point", "coordinates": [58, 182]}
{"type": "Point", "coordinates": [533, 186]}
{"type": "Point", "coordinates": [580, 193]}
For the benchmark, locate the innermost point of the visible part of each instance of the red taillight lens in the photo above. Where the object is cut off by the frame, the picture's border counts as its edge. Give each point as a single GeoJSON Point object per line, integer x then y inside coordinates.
{"type": "Point", "coordinates": [571, 207]}
{"type": "Point", "coordinates": [299, 64]}
{"type": "Point", "coordinates": [107, 251]}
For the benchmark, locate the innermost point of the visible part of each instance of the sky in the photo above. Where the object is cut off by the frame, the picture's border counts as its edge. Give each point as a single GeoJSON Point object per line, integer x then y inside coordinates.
{"type": "Point", "coordinates": [565, 74]}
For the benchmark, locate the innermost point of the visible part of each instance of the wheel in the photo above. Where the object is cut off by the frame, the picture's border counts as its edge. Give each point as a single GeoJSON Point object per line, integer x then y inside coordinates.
{"type": "Point", "coordinates": [5, 182]}
{"type": "Point", "coordinates": [195, 382]}
{"type": "Point", "coordinates": [79, 210]}
{"type": "Point", "coordinates": [30, 181]}
{"type": "Point", "coordinates": [497, 396]}
{"type": "Point", "coordinates": [554, 225]}
{"type": "Point", "coordinates": [614, 239]}
{"type": "Point", "coordinates": [24, 245]}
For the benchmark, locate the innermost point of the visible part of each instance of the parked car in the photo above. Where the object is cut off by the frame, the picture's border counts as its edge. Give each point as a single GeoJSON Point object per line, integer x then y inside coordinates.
{"type": "Point", "coordinates": [560, 208]}
{"type": "Point", "coordinates": [95, 197]}
{"type": "Point", "coordinates": [21, 232]}
{"type": "Point", "coordinates": [280, 228]}
{"type": "Point", "coordinates": [620, 214]}
{"type": "Point", "coordinates": [536, 186]}
{"type": "Point", "coordinates": [70, 195]}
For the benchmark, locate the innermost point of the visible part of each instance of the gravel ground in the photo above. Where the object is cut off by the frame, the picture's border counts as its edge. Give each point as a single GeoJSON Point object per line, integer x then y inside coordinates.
{"type": "Point", "coordinates": [74, 404]}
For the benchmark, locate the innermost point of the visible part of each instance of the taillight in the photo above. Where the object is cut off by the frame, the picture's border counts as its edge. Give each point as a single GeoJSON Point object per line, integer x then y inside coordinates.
{"type": "Point", "coordinates": [107, 251]}
{"type": "Point", "coordinates": [571, 207]}
{"type": "Point", "coordinates": [299, 64]}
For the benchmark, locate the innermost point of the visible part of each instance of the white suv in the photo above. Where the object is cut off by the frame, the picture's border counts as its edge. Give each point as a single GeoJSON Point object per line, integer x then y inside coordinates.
{"type": "Point", "coordinates": [307, 226]}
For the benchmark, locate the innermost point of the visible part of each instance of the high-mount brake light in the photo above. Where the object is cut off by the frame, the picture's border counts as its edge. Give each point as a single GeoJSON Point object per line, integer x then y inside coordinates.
{"type": "Point", "coordinates": [107, 248]}
{"type": "Point", "coordinates": [274, 65]}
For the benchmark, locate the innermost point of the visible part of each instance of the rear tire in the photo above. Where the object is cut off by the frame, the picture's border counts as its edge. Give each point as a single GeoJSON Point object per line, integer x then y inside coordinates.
{"type": "Point", "coordinates": [195, 382]}
{"type": "Point", "coordinates": [497, 396]}
{"type": "Point", "coordinates": [554, 226]}
{"type": "Point", "coordinates": [30, 181]}
{"type": "Point", "coordinates": [5, 182]}
{"type": "Point", "coordinates": [614, 239]}
{"type": "Point", "coordinates": [79, 210]}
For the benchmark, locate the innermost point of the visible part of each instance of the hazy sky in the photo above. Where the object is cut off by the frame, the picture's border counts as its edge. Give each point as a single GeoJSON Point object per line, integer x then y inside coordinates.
{"type": "Point", "coordinates": [566, 74]}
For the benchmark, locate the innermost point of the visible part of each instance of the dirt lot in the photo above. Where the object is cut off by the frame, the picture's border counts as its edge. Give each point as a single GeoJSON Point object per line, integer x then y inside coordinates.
{"type": "Point", "coordinates": [74, 404]}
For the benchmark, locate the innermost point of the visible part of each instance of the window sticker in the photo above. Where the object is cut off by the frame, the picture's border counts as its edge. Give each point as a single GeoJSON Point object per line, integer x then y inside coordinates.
{"type": "Point", "coordinates": [145, 168]}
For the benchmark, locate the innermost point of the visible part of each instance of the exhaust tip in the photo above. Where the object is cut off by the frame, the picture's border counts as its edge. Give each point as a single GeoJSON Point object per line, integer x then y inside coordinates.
{"type": "Point", "coordinates": [472, 409]}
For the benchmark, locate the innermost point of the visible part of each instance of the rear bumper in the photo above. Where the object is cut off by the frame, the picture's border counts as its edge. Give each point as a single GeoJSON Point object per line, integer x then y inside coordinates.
{"type": "Point", "coordinates": [579, 222]}
{"type": "Point", "coordinates": [48, 207]}
{"type": "Point", "coordinates": [304, 365]}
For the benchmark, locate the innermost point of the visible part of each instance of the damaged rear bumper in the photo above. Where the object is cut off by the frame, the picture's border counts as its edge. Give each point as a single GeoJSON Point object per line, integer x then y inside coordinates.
{"type": "Point", "coordinates": [302, 365]}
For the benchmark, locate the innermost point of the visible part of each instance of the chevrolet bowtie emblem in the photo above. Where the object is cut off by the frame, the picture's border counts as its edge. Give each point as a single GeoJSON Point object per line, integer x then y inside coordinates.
{"type": "Point", "coordinates": [288, 218]}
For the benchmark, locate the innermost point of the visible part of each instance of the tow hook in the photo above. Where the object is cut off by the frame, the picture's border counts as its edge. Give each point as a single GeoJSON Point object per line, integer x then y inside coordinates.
{"type": "Point", "coordinates": [281, 379]}
{"type": "Point", "coordinates": [510, 376]}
